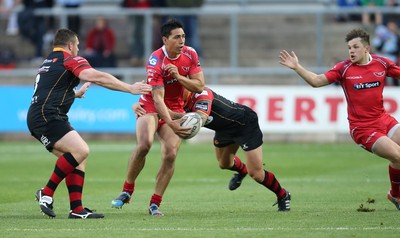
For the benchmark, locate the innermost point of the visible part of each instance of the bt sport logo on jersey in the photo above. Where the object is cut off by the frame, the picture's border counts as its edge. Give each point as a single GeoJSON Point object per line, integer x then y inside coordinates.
{"type": "Point", "coordinates": [368, 85]}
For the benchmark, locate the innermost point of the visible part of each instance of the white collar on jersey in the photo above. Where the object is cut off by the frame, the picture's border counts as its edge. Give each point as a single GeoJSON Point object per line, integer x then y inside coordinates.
{"type": "Point", "coordinates": [166, 54]}
{"type": "Point", "coordinates": [370, 59]}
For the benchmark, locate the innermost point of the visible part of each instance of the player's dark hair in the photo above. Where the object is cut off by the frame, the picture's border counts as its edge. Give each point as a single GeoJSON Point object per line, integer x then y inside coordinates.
{"type": "Point", "coordinates": [170, 25]}
{"type": "Point", "coordinates": [63, 36]}
{"type": "Point", "coordinates": [358, 33]}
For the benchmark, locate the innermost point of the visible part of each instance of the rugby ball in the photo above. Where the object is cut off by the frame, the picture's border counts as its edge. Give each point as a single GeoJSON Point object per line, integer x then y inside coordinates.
{"type": "Point", "coordinates": [191, 120]}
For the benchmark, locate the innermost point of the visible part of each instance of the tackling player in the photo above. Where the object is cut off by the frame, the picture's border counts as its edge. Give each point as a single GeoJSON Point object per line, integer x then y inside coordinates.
{"type": "Point", "coordinates": [234, 125]}
{"type": "Point", "coordinates": [362, 78]}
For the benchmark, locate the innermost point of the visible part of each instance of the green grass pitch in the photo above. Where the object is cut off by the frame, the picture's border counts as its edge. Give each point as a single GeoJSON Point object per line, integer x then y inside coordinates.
{"type": "Point", "coordinates": [328, 182]}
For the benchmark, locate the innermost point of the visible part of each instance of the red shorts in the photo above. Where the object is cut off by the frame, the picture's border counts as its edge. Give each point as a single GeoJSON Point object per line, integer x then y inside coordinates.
{"type": "Point", "coordinates": [150, 108]}
{"type": "Point", "coordinates": [365, 134]}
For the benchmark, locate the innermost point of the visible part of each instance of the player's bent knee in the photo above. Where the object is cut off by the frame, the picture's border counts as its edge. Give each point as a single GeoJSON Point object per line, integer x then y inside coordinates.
{"type": "Point", "coordinates": [395, 162]}
{"type": "Point", "coordinates": [256, 175]}
{"type": "Point", "coordinates": [224, 166]}
{"type": "Point", "coordinates": [170, 157]}
{"type": "Point", "coordinates": [143, 148]}
{"type": "Point", "coordinates": [81, 153]}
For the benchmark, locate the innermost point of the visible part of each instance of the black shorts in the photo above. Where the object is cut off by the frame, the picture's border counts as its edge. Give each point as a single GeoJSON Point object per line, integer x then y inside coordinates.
{"type": "Point", "coordinates": [50, 133]}
{"type": "Point", "coordinates": [248, 136]}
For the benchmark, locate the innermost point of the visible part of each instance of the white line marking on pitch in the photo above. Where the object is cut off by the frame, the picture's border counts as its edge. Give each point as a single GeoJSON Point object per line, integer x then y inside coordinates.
{"type": "Point", "coordinates": [216, 229]}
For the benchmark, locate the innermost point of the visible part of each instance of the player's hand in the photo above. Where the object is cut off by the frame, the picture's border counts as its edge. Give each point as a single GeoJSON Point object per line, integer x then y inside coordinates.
{"type": "Point", "coordinates": [289, 60]}
{"type": "Point", "coordinates": [180, 131]}
{"type": "Point", "coordinates": [138, 109]}
{"type": "Point", "coordinates": [81, 92]}
{"type": "Point", "coordinates": [172, 70]}
{"type": "Point", "coordinates": [140, 88]}
{"type": "Point", "coordinates": [175, 115]}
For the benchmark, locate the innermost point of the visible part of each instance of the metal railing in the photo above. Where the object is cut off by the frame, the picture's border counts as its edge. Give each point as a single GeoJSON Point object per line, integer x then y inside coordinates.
{"type": "Point", "coordinates": [238, 2]}
{"type": "Point", "coordinates": [212, 74]}
{"type": "Point", "coordinates": [249, 2]}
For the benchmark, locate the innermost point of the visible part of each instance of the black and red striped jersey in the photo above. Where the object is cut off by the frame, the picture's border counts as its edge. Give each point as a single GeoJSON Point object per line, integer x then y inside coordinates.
{"type": "Point", "coordinates": [54, 86]}
{"type": "Point", "coordinates": [223, 114]}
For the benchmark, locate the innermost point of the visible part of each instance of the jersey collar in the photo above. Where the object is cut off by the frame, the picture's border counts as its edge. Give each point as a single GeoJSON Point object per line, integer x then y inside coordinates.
{"type": "Point", "coordinates": [59, 49]}
{"type": "Point", "coordinates": [369, 61]}
{"type": "Point", "coordinates": [166, 54]}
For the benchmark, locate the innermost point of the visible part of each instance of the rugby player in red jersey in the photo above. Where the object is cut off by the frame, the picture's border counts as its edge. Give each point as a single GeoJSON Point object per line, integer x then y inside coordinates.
{"type": "Point", "coordinates": [170, 69]}
{"type": "Point", "coordinates": [47, 119]}
{"type": "Point", "coordinates": [362, 78]}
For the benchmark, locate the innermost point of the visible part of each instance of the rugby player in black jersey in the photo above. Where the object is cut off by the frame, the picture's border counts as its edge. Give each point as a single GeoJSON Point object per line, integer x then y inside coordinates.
{"type": "Point", "coordinates": [54, 93]}
{"type": "Point", "coordinates": [234, 125]}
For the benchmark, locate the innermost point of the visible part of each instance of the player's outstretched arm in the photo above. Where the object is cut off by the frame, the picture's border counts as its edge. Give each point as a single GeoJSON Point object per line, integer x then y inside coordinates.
{"type": "Point", "coordinates": [140, 88]}
{"type": "Point", "coordinates": [108, 81]}
{"type": "Point", "coordinates": [291, 61]}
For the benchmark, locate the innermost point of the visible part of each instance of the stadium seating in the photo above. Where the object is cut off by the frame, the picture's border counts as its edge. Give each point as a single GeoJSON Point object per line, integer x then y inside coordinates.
{"type": "Point", "coordinates": [261, 37]}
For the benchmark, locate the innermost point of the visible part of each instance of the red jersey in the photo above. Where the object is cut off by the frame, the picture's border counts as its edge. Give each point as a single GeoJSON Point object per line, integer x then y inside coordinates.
{"type": "Point", "coordinates": [363, 86]}
{"type": "Point", "coordinates": [187, 63]}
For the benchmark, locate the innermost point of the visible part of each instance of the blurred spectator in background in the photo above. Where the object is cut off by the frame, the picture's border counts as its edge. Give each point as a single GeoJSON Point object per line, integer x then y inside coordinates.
{"type": "Point", "coordinates": [7, 8]}
{"type": "Point", "coordinates": [74, 21]}
{"type": "Point", "coordinates": [34, 27]}
{"type": "Point", "coordinates": [158, 20]}
{"type": "Point", "coordinates": [7, 57]}
{"type": "Point", "coordinates": [387, 43]}
{"type": "Point", "coordinates": [136, 35]}
{"type": "Point", "coordinates": [346, 4]}
{"type": "Point", "coordinates": [392, 4]}
{"type": "Point", "coordinates": [377, 16]}
{"type": "Point", "coordinates": [190, 22]}
{"type": "Point", "coordinates": [100, 44]}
